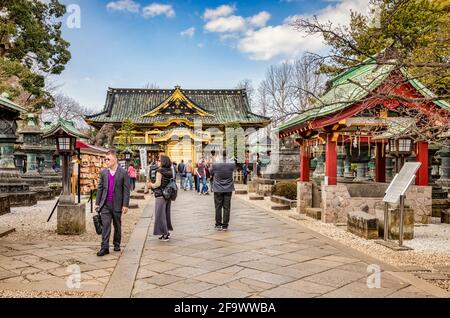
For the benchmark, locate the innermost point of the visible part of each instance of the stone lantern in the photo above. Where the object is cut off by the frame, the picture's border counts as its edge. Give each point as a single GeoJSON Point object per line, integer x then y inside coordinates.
{"type": "Point", "coordinates": [13, 190]}
{"type": "Point", "coordinates": [71, 215]}
{"type": "Point", "coordinates": [31, 146]}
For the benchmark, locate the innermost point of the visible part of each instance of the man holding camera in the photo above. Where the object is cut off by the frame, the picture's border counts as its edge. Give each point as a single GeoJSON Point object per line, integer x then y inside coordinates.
{"type": "Point", "coordinates": [113, 198]}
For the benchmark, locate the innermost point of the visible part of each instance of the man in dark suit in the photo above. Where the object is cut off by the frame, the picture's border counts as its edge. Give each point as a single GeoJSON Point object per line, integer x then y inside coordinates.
{"type": "Point", "coordinates": [113, 197]}
{"type": "Point", "coordinates": [223, 187]}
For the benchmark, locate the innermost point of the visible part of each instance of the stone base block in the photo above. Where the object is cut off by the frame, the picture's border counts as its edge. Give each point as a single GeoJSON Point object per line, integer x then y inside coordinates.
{"type": "Point", "coordinates": [4, 204]}
{"type": "Point", "coordinates": [140, 191]}
{"type": "Point", "coordinates": [362, 224]}
{"type": "Point", "coordinates": [256, 197]}
{"type": "Point", "coordinates": [22, 198]}
{"type": "Point", "coordinates": [284, 201]}
{"type": "Point", "coordinates": [133, 205]}
{"type": "Point", "coordinates": [252, 186]}
{"type": "Point", "coordinates": [394, 224]}
{"type": "Point", "coordinates": [71, 219]}
{"type": "Point", "coordinates": [445, 217]}
{"type": "Point", "coordinates": [43, 194]}
{"type": "Point", "coordinates": [240, 192]}
{"type": "Point", "coordinates": [315, 213]}
{"type": "Point", "coordinates": [279, 207]}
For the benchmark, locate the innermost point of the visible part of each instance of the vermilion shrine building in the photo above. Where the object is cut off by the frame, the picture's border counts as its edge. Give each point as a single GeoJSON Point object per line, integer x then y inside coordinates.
{"type": "Point", "coordinates": [358, 121]}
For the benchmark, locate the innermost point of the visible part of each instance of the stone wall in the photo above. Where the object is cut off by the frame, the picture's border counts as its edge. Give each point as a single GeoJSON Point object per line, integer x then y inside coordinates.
{"type": "Point", "coordinates": [304, 196]}
{"type": "Point", "coordinates": [4, 204]}
{"type": "Point", "coordinates": [264, 186]}
{"type": "Point", "coordinates": [335, 203]}
{"type": "Point", "coordinates": [419, 199]}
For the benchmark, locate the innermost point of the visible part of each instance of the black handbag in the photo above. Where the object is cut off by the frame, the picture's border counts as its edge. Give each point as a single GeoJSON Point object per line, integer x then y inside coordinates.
{"type": "Point", "coordinates": [98, 223]}
{"type": "Point", "coordinates": [170, 190]}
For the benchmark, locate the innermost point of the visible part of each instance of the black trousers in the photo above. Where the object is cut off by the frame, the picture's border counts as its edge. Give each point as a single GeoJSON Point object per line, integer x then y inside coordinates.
{"type": "Point", "coordinates": [222, 202]}
{"type": "Point", "coordinates": [108, 215]}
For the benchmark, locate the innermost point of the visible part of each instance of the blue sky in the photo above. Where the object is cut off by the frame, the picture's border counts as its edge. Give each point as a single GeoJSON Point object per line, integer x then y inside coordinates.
{"type": "Point", "coordinates": [195, 44]}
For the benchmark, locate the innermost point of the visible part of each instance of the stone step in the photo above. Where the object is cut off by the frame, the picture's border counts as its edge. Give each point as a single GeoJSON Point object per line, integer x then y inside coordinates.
{"type": "Point", "coordinates": [279, 207]}
{"type": "Point", "coordinates": [6, 230]}
{"type": "Point", "coordinates": [140, 191]}
{"type": "Point", "coordinates": [445, 217]}
{"type": "Point", "coordinates": [256, 197]}
{"type": "Point", "coordinates": [241, 192]}
{"type": "Point", "coordinates": [315, 213]}
{"type": "Point", "coordinates": [133, 205]}
{"type": "Point", "coordinates": [137, 196]}
{"type": "Point", "coordinates": [362, 224]}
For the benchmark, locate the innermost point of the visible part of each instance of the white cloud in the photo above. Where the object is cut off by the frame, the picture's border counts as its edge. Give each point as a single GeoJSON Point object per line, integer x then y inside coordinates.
{"type": "Point", "coordinates": [189, 32]}
{"type": "Point", "coordinates": [260, 19]}
{"type": "Point", "coordinates": [124, 5]}
{"type": "Point", "coordinates": [201, 45]}
{"type": "Point", "coordinates": [87, 78]}
{"type": "Point", "coordinates": [155, 9]}
{"type": "Point", "coordinates": [231, 23]}
{"type": "Point", "coordinates": [261, 42]}
{"type": "Point", "coordinates": [272, 41]}
{"type": "Point", "coordinates": [221, 11]}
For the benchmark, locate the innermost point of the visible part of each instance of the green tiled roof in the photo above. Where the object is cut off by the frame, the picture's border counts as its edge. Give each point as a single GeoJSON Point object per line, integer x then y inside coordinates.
{"type": "Point", "coordinates": [352, 86]}
{"type": "Point", "coordinates": [225, 106]}
{"type": "Point", "coordinates": [66, 126]}
{"type": "Point", "coordinates": [6, 103]}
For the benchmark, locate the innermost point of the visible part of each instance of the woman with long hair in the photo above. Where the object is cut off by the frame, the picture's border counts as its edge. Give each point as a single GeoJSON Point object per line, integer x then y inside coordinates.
{"type": "Point", "coordinates": [163, 222]}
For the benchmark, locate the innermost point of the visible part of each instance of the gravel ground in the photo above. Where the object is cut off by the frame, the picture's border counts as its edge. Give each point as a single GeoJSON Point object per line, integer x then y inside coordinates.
{"type": "Point", "coordinates": [431, 243]}
{"type": "Point", "coordinates": [46, 294]}
{"type": "Point", "coordinates": [31, 223]}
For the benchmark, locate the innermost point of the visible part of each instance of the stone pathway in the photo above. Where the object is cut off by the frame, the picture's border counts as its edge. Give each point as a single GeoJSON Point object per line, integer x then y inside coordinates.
{"type": "Point", "coordinates": [262, 255]}
{"type": "Point", "coordinates": [53, 267]}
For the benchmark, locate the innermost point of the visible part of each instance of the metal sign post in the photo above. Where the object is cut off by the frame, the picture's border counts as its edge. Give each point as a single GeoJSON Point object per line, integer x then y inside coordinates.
{"type": "Point", "coordinates": [395, 193]}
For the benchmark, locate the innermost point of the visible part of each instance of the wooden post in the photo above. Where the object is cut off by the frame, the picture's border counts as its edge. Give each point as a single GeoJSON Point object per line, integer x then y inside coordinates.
{"type": "Point", "coordinates": [304, 165]}
{"type": "Point", "coordinates": [380, 163]}
{"type": "Point", "coordinates": [330, 161]}
{"type": "Point", "coordinates": [422, 157]}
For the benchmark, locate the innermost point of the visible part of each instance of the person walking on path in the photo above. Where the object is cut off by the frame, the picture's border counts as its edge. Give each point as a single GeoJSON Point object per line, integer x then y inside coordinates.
{"type": "Point", "coordinates": [132, 176]}
{"type": "Point", "coordinates": [202, 177]}
{"type": "Point", "coordinates": [113, 198]}
{"type": "Point", "coordinates": [189, 171]}
{"type": "Point", "coordinates": [223, 187]}
{"type": "Point", "coordinates": [163, 223]}
{"type": "Point", "coordinates": [196, 179]}
{"type": "Point", "coordinates": [244, 172]}
{"type": "Point", "coordinates": [182, 173]}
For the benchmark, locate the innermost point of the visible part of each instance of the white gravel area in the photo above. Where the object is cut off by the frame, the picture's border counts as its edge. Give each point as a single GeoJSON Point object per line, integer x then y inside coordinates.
{"type": "Point", "coordinates": [31, 223]}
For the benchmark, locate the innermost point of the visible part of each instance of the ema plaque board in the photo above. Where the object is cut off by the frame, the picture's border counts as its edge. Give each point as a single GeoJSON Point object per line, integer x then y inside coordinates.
{"type": "Point", "coordinates": [401, 182]}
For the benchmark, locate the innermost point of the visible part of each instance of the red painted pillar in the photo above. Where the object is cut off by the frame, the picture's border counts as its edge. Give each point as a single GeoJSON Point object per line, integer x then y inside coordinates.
{"type": "Point", "coordinates": [304, 165]}
{"type": "Point", "coordinates": [422, 157]}
{"type": "Point", "coordinates": [380, 163]}
{"type": "Point", "coordinates": [330, 161]}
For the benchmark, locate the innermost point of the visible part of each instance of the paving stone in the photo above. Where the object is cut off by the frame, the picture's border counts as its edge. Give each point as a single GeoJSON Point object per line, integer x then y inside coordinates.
{"type": "Point", "coordinates": [358, 290]}
{"type": "Point", "coordinates": [284, 292]}
{"type": "Point", "coordinates": [187, 272]}
{"type": "Point", "coordinates": [190, 286]}
{"type": "Point", "coordinates": [160, 293]}
{"type": "Point", "coordinates": [144, 273]}
{"type": "Point", "coordinates": [163, 279]}
{"type": "Point", "coordinates": [334, 277]}
{"type": "Point", "coordinates": [7, 274]}
{"type": "Point", "coordinates": [309, 287]}
{"type": "Point", "coordinates": [222, 292]}
{"type": "Point", "coordinates": [250, 285]}
{"type": "Point", "coordinates": [217, 278]}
